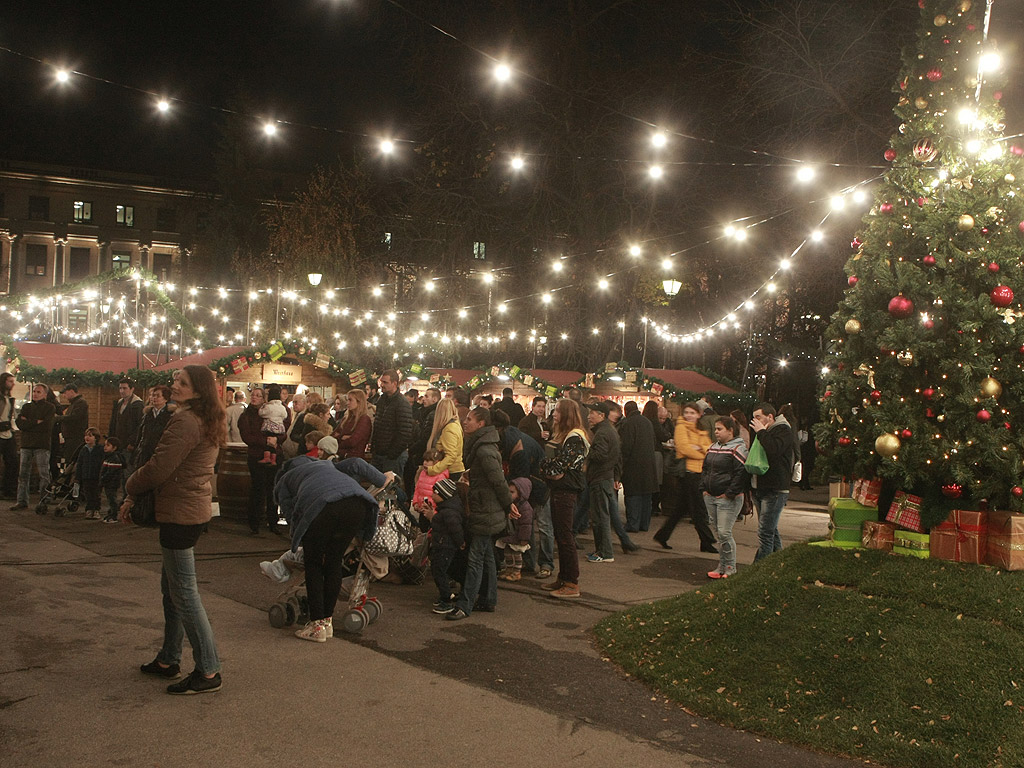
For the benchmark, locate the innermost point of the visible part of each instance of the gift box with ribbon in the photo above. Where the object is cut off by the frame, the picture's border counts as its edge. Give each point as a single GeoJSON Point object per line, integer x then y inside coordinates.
{"type": "Point", "coordinates": [905, 511]}
{"type": "Point", "coordinates": [876, 534]}
{"type": "Point", "coordinates": [846, 518]}
{"type": "Point", "coordinates": [841, 489]}
{"type": "Point", "coordinates": [910, 543]}
{"type": "Point", "coordinates": [963, 538]}
{"type": "Point", "coordinates": [866, 491]}
{"type": "Point", "coordinates": [1005, 541]}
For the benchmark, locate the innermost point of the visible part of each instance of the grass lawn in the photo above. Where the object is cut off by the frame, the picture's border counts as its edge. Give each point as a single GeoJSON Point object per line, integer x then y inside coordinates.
{"type": "Point", "coordinates": [901, 661]}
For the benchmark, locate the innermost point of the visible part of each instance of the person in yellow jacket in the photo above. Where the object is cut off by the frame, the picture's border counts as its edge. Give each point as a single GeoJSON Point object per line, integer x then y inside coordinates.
{"type": "Point", "coordinates": [446, 436]}
{"type": "Point", "coordinates": [692, 444]}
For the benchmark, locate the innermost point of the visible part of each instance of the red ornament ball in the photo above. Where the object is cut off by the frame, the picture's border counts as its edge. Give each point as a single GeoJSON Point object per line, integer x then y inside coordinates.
{"type": "Point", "coordinates": [851, 280]}
{"type": "Point", "coordinates": [993, 267]}
{"type": "Point", "coordinates": [984, 230]}
{"type": "Point", "coordinates": [885, 207]}
{"type": "Point", "coordinates": [934, 75]}
{"type": "Point", "coordinates": [900, 306]}
{"type": "Point", "coordinates": [906, 434]}
{"type": "Point", "coordinates": [928, 261]}
{"type": "Point", "coordinates": [844, 441]}
{"type": "Point", "coordinates": [876, 395]}
{"type": "Point", "coordinates": [1017, 491]}
{"type": "Point", "coordinates": [1021, 226]}
{"type": "Point", "coordinates": [983, 416]}
{"type": "Point", "coordinates": [890, 154]}
{"type": "Point", "coordinates": [1001, 296]}
{"type": "Point", "coordinates": [857, 242]}
{"type": "Point", "coordinates": [1018, 151]}
{"type": "Point", "coordinates": [1006, 425]}
{"type": "Point", "coordinates": [921, 201]}
{"type": "Point", "coordinates": [928, 393]}
{"type": "Point", "coordinates": [952, 490]}
{"type": "Point", "coordinates": [928, 324]}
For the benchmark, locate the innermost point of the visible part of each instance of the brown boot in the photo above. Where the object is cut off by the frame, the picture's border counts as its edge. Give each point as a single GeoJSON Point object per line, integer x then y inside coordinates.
{"type": "Point", "coordinates": [557, 584]}
{"type": "Point", "coordinates": [567, 590]}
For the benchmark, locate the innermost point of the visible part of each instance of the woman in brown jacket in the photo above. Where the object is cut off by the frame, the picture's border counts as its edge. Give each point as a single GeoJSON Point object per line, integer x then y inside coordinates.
{"type": "Point", "coordinates": [179, 475]}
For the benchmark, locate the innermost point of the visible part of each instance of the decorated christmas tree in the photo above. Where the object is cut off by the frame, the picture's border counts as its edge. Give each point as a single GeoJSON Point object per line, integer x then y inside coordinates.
{"type": "Point", "coordinates": [925, 386]}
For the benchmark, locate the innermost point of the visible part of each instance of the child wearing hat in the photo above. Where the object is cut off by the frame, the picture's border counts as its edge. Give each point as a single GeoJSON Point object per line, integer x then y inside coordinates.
{"type": "Point", "coordinates": [327, 448]}
{"type": "Point", "coordinates": [447, 538]}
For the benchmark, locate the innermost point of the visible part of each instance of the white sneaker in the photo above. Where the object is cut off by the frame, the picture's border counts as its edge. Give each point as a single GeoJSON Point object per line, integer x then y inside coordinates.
{"type": "Point", "coordinates": [316, 631]}
{"type": "Point", "coordinates": [275, 570]}
{"type": "Point", "coordinates": [329, 625]}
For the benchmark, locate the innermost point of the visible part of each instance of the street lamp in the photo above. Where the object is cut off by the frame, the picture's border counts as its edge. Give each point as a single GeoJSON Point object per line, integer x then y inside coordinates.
{"type": "Point", "coordinates": [671, 287]}
{"type": "Point", "coordinates": [315, 278]}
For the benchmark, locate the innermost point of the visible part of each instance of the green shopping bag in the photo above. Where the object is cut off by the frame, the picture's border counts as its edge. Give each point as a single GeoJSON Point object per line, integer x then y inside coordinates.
{"type": "Point", "coordinates": [757, 459]}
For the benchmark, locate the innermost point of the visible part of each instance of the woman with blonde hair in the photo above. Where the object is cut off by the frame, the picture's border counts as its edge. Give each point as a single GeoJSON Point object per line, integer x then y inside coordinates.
{"type": "Point", "coordinates": [446, 436]}
{"type": "Point", "coordinates": [563, 472]}
{"type": "Point", "coordinates": [180, 474]}
{"type": "Point", "coordinates": [353, 432]}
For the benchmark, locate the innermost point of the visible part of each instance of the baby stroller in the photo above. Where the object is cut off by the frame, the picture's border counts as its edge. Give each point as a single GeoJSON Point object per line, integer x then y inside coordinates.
{"type": "Point", "coordinates": [62, 491]}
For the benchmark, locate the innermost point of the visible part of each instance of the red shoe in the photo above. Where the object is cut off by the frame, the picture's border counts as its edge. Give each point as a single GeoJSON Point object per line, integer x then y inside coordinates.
{"type": "Point", "coordinates": [717, 575]}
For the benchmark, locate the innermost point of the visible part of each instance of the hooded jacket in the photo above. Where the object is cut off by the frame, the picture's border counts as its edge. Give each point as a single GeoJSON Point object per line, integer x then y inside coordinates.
{"type": "Point", "coordinates": [780, 447]}
{"type": "Point", "coordinates": [689, 434]}
{"type": "Point", "coordinates": [524, 525]}
{"type": "Point", "coordinates": [605, 455]}
{"type": "Point", "coordinates": [724, 473]}
{"type": "Point", "coordinates": [489, 500]}
{"type": "Point", "coordinates": [446, 526]}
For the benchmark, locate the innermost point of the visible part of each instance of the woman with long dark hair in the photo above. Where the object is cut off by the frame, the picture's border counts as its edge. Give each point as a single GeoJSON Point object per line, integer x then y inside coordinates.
{"type": "Point", "coordinates": [179, 473]}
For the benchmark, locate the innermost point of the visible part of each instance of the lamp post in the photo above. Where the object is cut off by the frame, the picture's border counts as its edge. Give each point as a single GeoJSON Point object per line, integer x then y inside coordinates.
{"type": "Point", "coordinates": [314, 280]}
{"type": "Point", "coordinates": [671, 288]}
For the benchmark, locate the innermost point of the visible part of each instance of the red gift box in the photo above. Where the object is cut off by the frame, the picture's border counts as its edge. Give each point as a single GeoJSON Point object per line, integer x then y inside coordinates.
{"type": "Point", "coordinates": [963, 538]}
{"type": "Point", "coordinates": [1005, 541]}
{"type": "Point", "coordinates": [878, 535]}
{"type": "Point", "coordinates": [905, 511]}
{"type": "Point", "coordinates": [866, 491]}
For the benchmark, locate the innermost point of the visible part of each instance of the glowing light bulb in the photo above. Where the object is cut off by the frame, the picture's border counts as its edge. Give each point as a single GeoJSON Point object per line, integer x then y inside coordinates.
{"type": "Point", "coordinates": [860, 196]}
{"type": "Point", "coordinates": [656, 171]}
{"type": "Point", "coordinates": [635, 251]}
{"type": "Point", "coordinates": [503, 307]}
{"type": "Point", "coordinates": [817, 236]}
{"type": "Point", "coordinates": [603, 284]}
{"type": "Point", "coordinates": [488, 278]}
{"type": "Point", "coordinates": [62, 76]}
{"type": "Point", "coordinates": [556, 265]}
{"type": "Point", "coordinates": [785, 264]}
{"type": "Point", "coordinates": [546, 298]}
{"type": "Point", "coordinates": [991, 62]}
{"type": "Point", "coordinates": [666, 263]}
{"type": "Point", "coordinates": [502, 73]}
{"type": "Point", "coordinates": [428, 286]}
{"type": "Point", "coordinates": [770, 287]}
{"type": "Point", "coordinates": [740, 235]}
{"type": "Point", "coordinates": [462, 313]}
{"type": "Point", "coordinates": [838, 203]}
{"type": "Point", "coordinates": [659, 139]}
{"type": "Point", "coordinates": [387, 146]}
{"type": "Point", "coordinates": [518, 163]}
{"type": "Point", "coordinates": [973, 146]}
{"type": "Point", "coordinates": [270, 129]}
{"type": "Point", "coordinates": [163, 105]}
{"type": "Point", "coordinates": [377, 291]}
{"type": "Point", "coordinates": [805, 173]}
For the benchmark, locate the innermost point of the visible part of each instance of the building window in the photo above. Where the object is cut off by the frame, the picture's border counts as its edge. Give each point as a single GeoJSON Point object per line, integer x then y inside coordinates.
{"type": "Point", "coordinates": [479, 250]}
{"type": "Point", "coordinates": [162, 266]}
{"type": "Point", "coordinates": [39, 208]}
{"type": "Point", "coordinates": [166, 219]}
{"type": "Point", "coordinates": [78, 320]}
{"type": "Point", "coordinates": [83, 211]}
{"type": "Point", "coordinates": [35, 259]}
{"type": "Point", "coordinates": [78, 264]}
{"type": "Point", "coordinates": [2, 205]}
{"type": "Point", "coordinates": [126, 215]}
{"type": "Point", "coordinates": [120, 259]}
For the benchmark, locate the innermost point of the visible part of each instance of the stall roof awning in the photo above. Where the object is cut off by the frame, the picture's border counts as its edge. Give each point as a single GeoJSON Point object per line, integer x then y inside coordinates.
{"type": "Point", "coordinates": [688, 380]}
{"type": "Point", "coordinates": [204, 358]}
{"type": "Point", "coordinates": [83, 357]}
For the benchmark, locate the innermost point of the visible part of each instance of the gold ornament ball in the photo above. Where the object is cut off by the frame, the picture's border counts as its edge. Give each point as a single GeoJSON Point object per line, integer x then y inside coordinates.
{"type": "Point", "coordinates": [905, 358]}
{"type": "Point", "coordinates": [921, 102]}
{"type": "Point", "coordinates": [887, 445]}
{"type": "Point", "coordinates": [965, 5]}
{"type": "Point", "coordinates": [852, 326]}
{"type": "Point", "coordinates": [965, 222]}
{"type": "Point", "coordinates": [991, 387]}
{"type": "Point", "coordinates": [941, 417]}
{"type": "Point", "coordinates": [940, 20]}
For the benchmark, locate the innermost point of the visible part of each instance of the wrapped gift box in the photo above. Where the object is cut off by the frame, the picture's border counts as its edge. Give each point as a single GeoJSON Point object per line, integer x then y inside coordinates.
{"type": "Point", "coordinates": [1006, 541]}
{"type": "Point", "coordinates": [910, 543]}
{"type": "Point", "coordinates": [866, 491]}
{"type": "Point", "coordinates": [963, 538]}
{"type": "Point", "coordinates": [905, 511]}
{"type": "Point", "coordinates": [846, 519]}
{"type": "Point", "coordinates": [840, 490]}
{"type": "Point", "coordinates": [876, 534]}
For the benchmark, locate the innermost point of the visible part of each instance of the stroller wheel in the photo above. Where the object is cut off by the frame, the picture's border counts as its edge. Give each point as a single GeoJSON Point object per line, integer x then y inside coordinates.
{"type": "Point", "coordinates": [41, 509]}
{"type": "Point", "coordinates": [373, 609]}
{"type": "Point", "coordinates": [277, 616]}
{"type": "Point", "coordinates": [353, 621]}
{"type": "Point", "coordinates": [59, 512]}
{"type": "Point", "coordinates": [293, 609]}
{"type": "Point", "coordinates": [73, 506]}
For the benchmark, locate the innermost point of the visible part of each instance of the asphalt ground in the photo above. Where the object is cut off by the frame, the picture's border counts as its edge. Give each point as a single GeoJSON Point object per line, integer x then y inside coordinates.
{"type": "Point", "coordinates": [525, 685]}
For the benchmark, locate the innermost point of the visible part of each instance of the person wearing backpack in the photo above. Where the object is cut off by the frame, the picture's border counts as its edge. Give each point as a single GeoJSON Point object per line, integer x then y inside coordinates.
{"type": "Point", "coordinates": [771, 489]}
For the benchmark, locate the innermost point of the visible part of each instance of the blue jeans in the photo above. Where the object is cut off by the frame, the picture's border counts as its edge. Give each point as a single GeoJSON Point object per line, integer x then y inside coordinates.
{"type": "Point", "coordinates": [638, 511]}
{"type": "Point", "coordinates": [41, 458]}
{"type": "Point", "coordinates": [581, 517]}
{"type": "Point", "coordinates": [722, 513]}
{"type": "Point", "coordinates": [602, 497]}
{"type": "Point", "coordinates": [481, 575]}
{"type": "Point", "coordinates": [184, 613]}
{"type": "Point", "coordinates": [541, 554]}
{"type": "Point", "coordinates": [617, 523]}
{"type": "Point", "coordinates": [396, 465]}
{"type": "Point", "coordinates": [769, 510]}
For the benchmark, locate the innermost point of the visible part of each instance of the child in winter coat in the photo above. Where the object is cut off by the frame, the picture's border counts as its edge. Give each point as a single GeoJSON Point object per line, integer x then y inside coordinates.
{"type": "Point", "coordinates": [518, 541]}
{"type": "Point", "coordinates": [112, 475]}
{"type": "Point", "coordinates": [313, 438]}
{"type": "Point", "coordinates": [87, 472]}
{"type": "Point", "coordinates": [274, 415]}
{"type": "Point", "coordinates": [447, 538]}
{"type": "Point", "coordinates": [424, 486]}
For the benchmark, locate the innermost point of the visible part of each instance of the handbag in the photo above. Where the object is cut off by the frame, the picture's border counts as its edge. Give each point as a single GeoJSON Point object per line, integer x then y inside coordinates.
{"type": "Point", "coordinates": [798, 471]}
{"type": "Point", "coordinates": [144, 509]}
{"type": "Point", "coordinates": [757, 460]}
{"type": "Point", "coordinates": [396, 532]}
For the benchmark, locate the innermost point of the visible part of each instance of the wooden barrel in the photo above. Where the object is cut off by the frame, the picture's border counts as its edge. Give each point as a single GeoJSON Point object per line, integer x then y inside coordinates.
{"type": "Point", "coordinates": [233, 481]}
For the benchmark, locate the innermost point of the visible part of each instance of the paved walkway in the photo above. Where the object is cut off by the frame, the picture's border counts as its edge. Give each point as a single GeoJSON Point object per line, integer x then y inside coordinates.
{"type": "Point", "coordinates": [80, 610]}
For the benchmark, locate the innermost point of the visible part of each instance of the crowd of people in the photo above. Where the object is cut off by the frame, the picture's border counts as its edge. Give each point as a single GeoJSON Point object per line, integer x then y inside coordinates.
{"type": "Point", "coordinates": [503, 493]}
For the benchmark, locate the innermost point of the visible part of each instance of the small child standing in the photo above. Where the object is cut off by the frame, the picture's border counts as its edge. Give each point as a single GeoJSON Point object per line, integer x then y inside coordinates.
{"type": "Point", "coordinates": [111, 475]}
{"type": "Point", "coordinates": [274, 415]}
{"type": "Point", "coordinates": [312, 444]}
{"type": "Point", "coordinates": [518, 541]}
{"type": "Point", "coordinates": [88, 465]}
{"type": "Point", "coordinates": [424, 485]}
{"type": "Point", "coordinates": [444, 511]}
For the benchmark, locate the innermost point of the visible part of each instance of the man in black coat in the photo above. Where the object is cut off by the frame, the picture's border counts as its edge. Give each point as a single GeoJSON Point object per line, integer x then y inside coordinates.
{"type": "Point", "coordinates": [511, 408]}
{"type": "Point", "coordinates": [771, 490]}
{"type": "Point", "coordinates": [73, 422]}
{"type": "Point", "coordinates": [126, 418]}
{"type": "Point", "coordinates": [392, 427]}
{"type": "Point", "coordinates": [639, 473]}
{"type": "Point", "coordinates": [424, 423]}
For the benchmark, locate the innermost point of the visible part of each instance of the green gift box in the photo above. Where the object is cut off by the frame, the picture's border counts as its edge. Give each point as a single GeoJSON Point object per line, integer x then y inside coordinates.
{"type": "Point", "coordinates": [846, 520]}
{"type": "Point", "coordinates": [911, 543]}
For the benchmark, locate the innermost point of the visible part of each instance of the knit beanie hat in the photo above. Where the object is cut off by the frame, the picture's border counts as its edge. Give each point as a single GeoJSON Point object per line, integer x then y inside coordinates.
{"type": "Point", "coordinates": [328, 445]}
{"type": "Point", "coordinates": [445, 488]}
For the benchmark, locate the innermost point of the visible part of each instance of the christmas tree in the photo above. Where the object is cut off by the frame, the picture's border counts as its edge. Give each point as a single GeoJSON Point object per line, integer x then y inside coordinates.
{"type": "Point", "coordinates": [925, 386]}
